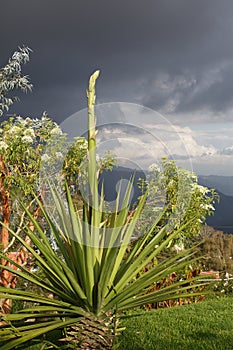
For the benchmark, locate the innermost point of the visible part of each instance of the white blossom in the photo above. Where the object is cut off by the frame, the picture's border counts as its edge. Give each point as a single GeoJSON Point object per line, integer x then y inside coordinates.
{"type": "Point", "coordinates": [27, 139]}
{"type": "Point", "coordinates": [154, 167]}
{"type": "Point", "coordinates": [15, 130]}
{"type": "Point", "coordinates": [25, 122]}
{"type": "Point", "coordinates": [21, 120]}
{"type": "Point", "coordinates": [56, 131]}
{"type": "Point", "coordinates": [3, 145]}
{"type": "Point", "coordinates": [202, 189]}
{"type": "Point", "coordinates": [29, 132]}
{"type": "Point", "coordinates": [207, 206]}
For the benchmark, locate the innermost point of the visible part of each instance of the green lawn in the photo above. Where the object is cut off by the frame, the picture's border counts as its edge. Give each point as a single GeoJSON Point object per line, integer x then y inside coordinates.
{"type": "Point", "coordinates": [206, 325]}
{"type": "Point", "coordinates": [202, 326]}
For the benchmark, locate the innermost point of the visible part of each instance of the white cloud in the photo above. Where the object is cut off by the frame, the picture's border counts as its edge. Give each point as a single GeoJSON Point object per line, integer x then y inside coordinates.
{"type": "Point", "coordinates": [143, 136]}
{"type": "Point", "coordinates": [227, 150]}
{"type": "Point", "coordinates": [146, 148]}
{"type": "Point", "coordinates": [194, 149]}
{"type": "Point", "coordinates": [191, 148]}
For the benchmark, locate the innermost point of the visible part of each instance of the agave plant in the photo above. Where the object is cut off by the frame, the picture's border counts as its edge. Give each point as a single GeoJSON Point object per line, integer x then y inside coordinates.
{"type": "Point", "coordinates": [93, 276]}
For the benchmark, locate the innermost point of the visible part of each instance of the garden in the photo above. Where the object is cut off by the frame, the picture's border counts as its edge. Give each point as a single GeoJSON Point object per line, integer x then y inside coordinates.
{"type": "Point", "coordinates": [76, 274]}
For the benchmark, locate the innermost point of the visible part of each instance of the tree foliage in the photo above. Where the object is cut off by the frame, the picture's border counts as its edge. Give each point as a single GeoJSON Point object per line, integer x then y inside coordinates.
{"type": "Point", "coordinates": [177, 190]}
{"type": "Point", "coordinates": [217, 249]}
{"type": "Point", "coordinates": [11, 78]}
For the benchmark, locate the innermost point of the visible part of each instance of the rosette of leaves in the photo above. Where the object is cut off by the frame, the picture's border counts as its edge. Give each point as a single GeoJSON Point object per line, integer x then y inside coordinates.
{"type": "Point", "coordinates": [93, 275]}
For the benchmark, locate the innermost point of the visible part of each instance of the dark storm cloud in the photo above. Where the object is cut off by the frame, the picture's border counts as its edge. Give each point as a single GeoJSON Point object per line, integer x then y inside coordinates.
{"type": "Point", "coordinates": [173, 54]}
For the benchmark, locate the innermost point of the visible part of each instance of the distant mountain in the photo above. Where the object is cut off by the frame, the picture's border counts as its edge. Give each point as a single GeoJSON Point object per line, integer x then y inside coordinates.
{"type": "Point", "coordinates": [223, 184]}
{"type": "Point", "coordinates": [120, 176]}
{"type": "Point", "coordinates": [223, 217]}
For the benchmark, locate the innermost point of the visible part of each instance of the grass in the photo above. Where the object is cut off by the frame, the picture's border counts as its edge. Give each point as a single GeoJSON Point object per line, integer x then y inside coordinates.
{"type": "Point", "coordinates": [206, 325]}
{"type": "Point", "coordinates": [202, 326]}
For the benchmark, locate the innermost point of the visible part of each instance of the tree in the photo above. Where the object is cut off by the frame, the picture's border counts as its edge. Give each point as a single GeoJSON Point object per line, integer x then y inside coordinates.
{"type": "Point", "coordinates": [177, 190]}
{"type": "Point", "coordinates": [26, 146]}
{"type": "Point", "coordinates": [11, 78]}
{"type": "Point", "coordinates": [22, 143]}
{"type": "Point", "coordinates": [217, 249]}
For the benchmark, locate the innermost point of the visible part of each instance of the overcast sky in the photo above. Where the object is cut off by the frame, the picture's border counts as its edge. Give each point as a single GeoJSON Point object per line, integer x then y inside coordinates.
{"type": "Point", "coordinates": [173, 56]}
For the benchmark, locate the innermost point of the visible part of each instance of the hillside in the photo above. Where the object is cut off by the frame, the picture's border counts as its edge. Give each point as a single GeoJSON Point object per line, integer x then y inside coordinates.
{"type": "Point", "coordinates": [223, 184]}
{"type": "Point", "coordinates": [223, 218]}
